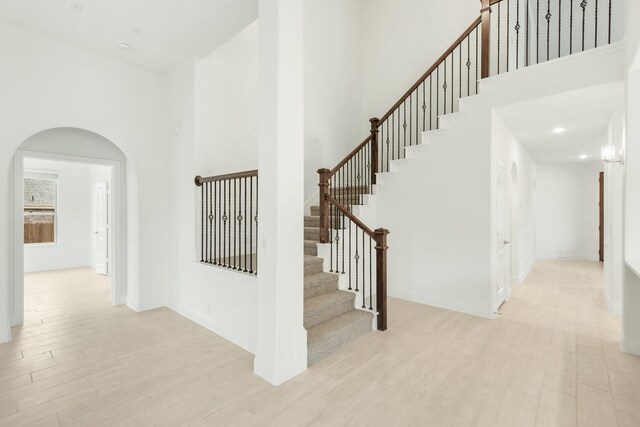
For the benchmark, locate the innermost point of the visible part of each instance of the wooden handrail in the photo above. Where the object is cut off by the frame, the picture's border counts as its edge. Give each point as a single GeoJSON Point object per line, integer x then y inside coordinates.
{"type": "Point", "coordinates": [351, 216]}
{"type": "Point", "coordinates": [349, 156]}
{"type": "Point", "coordinates": [432, 68]}
{"type": "Point", "coordinates": [246, 174]}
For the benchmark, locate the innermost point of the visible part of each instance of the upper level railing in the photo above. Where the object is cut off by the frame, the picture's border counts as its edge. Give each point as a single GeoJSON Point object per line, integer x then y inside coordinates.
{"type": "Point", "coordinates": [229, 220]}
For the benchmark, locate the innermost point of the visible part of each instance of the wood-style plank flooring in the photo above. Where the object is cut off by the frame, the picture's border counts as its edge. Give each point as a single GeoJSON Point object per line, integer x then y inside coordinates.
{"type": "Point", "coordinates": [551, 359]}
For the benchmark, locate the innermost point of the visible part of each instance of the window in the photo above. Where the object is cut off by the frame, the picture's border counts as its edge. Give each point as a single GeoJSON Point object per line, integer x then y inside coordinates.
{"type": "Point", "coordinates": [40, 209]}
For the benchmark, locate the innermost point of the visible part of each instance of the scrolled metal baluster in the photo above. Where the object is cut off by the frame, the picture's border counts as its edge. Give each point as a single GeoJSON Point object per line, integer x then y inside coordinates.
{"type": "Point", "coordinates": [357, 259]}
{"type": "Point", "coordinates": [251, 224]}
{"type": "Point", "coordinates": [350, 254]}
{"type": "Point", "coordinates": [609, 28]}
{"type": "Point", "coordinates": [517, 28]}
{"type": "Point", "coordinates": [246, 252]}
{"type": "Point", "coordinates": [444, 86]}
{"type": "Point", "coordinates": [468, 66]}
{"type": "Point", "coordinates": [571, 27]}
{"type": "Point", "coordinates": [583, 5]}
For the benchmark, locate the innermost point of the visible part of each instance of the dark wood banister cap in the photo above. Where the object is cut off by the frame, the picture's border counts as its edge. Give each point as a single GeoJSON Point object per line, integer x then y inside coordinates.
{"type": "Point", "coordinates": [246, 174]}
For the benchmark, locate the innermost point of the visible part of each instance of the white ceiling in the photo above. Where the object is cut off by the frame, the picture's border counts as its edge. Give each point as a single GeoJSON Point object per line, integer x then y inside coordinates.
{"type": "Point", "coordinates": [162, 33]}
{"type": "Point", "coordinates": [585, 115]}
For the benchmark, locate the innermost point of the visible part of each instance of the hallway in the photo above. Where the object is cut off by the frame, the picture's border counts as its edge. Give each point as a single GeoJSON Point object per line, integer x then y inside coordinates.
{"type": "Point", "coordinates": [551, 359]}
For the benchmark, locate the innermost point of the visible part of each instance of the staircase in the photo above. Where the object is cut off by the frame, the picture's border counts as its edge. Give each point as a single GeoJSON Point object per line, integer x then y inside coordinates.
{"type": "Point", "coordinates": [330, 316]}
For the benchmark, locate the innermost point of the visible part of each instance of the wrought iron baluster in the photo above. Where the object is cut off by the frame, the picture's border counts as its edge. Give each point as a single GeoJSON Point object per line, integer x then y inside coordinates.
{"type": "Point", "coordinates": [370, 275]}
{"type": "Point", "coordinates": [453, 82]}
{"type": "Point", "coordinates": [410, 118]}
{"type": "Point", "coordinates": [235, 225]}
{"type": "Point", "coordinates": [430, 101]}
{"type": "Point", "coordinates": [437, 96]}
{"type": "Point", "coordinates": [596, 23]}
{"type": "Point", "coordinates": [356, 258]}
{"type": "Point", "coordinates": [537, 31]}
{"type": "Point", "coordinates": [220, 183]}
{"type": "Point", "coordinates": [559, 28]}
{"type": "Point", "coordinates": [202, 235]}
{"type": "Point", "coordinates": [350, 255]}
{"type": "Point", "coordinates": [517, 28]}
{"type": "Point", "coordinates": [404, 126]}
{"type": "Point", "coordinates": [583, 5]}
{"type": "Point", "coordinates": [246, 252]}
{"type": "Point", "coordinates": [468, 65]}
{"type": "Point", "coordinates": [213, 223]}
{"type": "Point", "coordinates": [609, 29]}
{"type": "Point", "coordinates": [498, 51]}
{"type": "Point", "coordinates": [364, 284]}
{"type": "Point", "coordinates": [206, 227]}
{"type": "Point", "coordinates": [256, 218]}
{"type": "Point", "coordinates": [251, 224]}
{"type": "Point", "coordinates": [424, 107]}
{"type": "Point", "coordinates": [444, 86]}
{"type": "Point", "coordinates": [571, 27]}
{"type": "Point", "coordinates": [477, 57]}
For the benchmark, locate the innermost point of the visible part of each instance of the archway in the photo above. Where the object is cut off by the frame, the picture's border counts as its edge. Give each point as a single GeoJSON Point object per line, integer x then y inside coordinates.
{"type": "Point", "coordinates": [71, 145]}
{"type": "Point", "coordinates": [515, 226]}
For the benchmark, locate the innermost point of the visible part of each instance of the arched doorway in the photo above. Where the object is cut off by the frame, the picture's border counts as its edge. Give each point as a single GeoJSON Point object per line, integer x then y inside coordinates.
{"type": "Point", "coordinates": [77, 146]}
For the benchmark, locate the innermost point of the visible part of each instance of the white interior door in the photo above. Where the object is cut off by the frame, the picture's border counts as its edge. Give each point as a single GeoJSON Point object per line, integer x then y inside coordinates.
{"type": "Point", "coordinates": [502, 272]}
{"type": "Point", "coordinates": [102, 229]}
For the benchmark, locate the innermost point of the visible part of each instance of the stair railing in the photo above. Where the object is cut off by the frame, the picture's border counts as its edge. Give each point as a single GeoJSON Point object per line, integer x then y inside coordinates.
{"type": "Point", "coordinates": [229, 221]}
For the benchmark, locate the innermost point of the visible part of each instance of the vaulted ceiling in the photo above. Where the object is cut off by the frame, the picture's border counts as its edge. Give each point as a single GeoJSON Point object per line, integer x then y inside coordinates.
{"type": "Point", "coordinates": [161, 33]}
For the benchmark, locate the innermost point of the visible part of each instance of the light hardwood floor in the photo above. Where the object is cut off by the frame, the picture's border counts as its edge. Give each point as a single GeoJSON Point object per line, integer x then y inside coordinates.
{"type": "Point", "coordinates": [551, 359]}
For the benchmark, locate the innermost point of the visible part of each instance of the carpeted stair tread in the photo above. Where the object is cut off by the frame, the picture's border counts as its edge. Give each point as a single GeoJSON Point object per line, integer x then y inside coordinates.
{"type": "Point", "coordinates": [328, 336]}
{"type": "Point", "coordinates": [325, 306]}
{"type": "Point", "coordinates": [319, 283]}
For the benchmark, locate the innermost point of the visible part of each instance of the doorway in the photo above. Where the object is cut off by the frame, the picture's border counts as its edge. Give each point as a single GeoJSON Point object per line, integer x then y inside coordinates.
{"type": "Point", "coordinates": [67, 216]}
{"type": "Point", "coordinates": [503, 270]}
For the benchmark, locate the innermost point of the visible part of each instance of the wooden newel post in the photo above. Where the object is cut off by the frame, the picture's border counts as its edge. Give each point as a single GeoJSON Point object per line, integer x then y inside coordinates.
{"type": "Point", "coordinates": [486, 38]}
{"type": "Point", "coordinates": [324, 206]}
{"type": "Point", "coordinates": [381, 277]}
{"type": "Point", "coordinates": [375, 122]}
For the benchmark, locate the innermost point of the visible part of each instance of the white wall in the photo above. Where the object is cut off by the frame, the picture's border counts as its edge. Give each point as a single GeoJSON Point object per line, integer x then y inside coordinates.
{"type": "Point", "coordinates": [401, 39]}
{"type": "Point", "coordinates": [332, 85]}
{"type": "Point", "coordinates": [73, 218]}
{"type": "Point", "coordinates": [512, 155]}
{"type": "Point", "coordinates": [226, 112]}
{"type": "Point", "coordinates": [212, 139]}
{"type": "Point", "coordinates": [567, 211]}
{"type": "Point", "coordinates": [47, 84]}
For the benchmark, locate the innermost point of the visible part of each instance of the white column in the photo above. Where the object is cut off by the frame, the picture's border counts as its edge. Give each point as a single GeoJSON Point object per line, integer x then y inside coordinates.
{"type": "Point", "coordinates": [281, 347]}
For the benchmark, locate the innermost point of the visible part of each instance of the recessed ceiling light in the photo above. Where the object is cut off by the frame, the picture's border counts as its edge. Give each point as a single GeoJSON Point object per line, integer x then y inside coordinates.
{"type": "Point", "coordinates": [124, 45]}
{"type": "Point", "coordinates": [559, 130]}
{"type": "Point", "coordinates": [583, 156]}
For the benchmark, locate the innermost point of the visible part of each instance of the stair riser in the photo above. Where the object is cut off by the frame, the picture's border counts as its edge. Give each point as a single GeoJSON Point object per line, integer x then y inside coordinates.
{"type": "Point", "coordinates": [317, 351]}
{"type": "Point", "coordinates": [312, 234]}
{"type": "Point", "coordinates": [311, 250]}
{"type": "Point", "coordinates": [317, 287]}
{"type": "Point", "coordinates": [313, 268]}
{"type": "Point", "coordinates": [312, 318]}
{"type": "Point", "coordinates": [312, 221]}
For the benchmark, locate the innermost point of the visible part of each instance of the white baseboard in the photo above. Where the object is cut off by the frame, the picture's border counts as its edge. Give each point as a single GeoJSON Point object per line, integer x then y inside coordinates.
{"type": "Point", "coordinates": [5, 335]}
{"type": "Point", "coordinates": [613, 308]}
{"type": "Point", "coordinates": [567, 258]}
{"type": "Point", "coordinates": [629, 346]}
{"type": "Point", "coordinates": [524, 275]}
{"type": "Point", "coordinates": [442, 303]}
{"type": "Point", "coordinates": [233, 335]}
